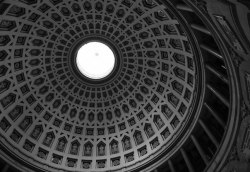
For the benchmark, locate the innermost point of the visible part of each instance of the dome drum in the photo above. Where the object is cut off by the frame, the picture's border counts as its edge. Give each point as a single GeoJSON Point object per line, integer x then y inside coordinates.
{"type": "Point", "coordinates": [157, 108]}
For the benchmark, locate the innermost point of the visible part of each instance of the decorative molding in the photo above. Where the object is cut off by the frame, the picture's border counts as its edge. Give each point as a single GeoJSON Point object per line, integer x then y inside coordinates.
{"type": "Point", "coordinates": [244, 111]}
{"type": "Point", "coordinates": [239, 157]}
{"type": "Point", "coordinates": [247, 80]}
{"type": "Point", "coordinates": [243, 140]}
{"type": "Point", "coordinates": [231, 36]}
{"type": "Point", "coordinates": [236, 166]}
{"type": "Point", "coordinates": [233, 156]}
{"type": "Point", "coordinates": [235, 57]}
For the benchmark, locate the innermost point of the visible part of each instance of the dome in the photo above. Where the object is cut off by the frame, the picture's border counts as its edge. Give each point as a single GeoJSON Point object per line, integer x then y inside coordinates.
{"type": "Point", "coordinates": [157, 102]}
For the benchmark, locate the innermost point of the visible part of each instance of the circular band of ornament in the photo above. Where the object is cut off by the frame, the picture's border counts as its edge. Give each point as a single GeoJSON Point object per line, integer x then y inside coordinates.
{"type": "Point", "coordinates": [95, 60]}
{"type": "Point", "coordinates": [243, 139]}
{"type": "Point", "coordinates": [57, 117]}
{"type": "Point", "coordinates": [96, 38]}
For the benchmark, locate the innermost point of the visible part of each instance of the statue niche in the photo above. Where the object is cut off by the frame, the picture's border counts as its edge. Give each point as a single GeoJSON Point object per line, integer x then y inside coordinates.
{"type": "Point", "coordinates": [25, 123]}
{"type": "Point", "coordinates": [138, 138]}
{"type": "Point", "coordinates": [101, 149]}
{"type": "Point", "coordinates": [61, 145]}
{"type": "Point", "coordinates": [88, 149]}
{"type": "Point", "coordinates": [158, 121]}
{"type": "Point", "coordinates": [48, 139]}
{"type": "Point", "coordinates": [114, 147]}
{"type": "Point", "coordinates": [36, 132]}
{"type": "Point", "coordinates": [126, 143]}
{"type": "Point", "coordinates": [74, 148]}
{"type": "Point", "coordinates": [149, 130]}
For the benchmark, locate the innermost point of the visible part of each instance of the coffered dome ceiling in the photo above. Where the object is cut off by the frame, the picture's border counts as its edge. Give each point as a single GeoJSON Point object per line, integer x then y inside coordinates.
{"type": "Point", "coordinates": [60, 119]}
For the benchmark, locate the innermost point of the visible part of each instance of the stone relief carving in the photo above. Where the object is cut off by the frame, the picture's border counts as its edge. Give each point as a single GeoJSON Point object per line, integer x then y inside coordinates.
{"type": "Point", "coordinates": [243, 141]}
{"type": "Point", "coordinates": [236, 166]}
{"type": "Point", "coordinates": [239, 157]}
{"type": "Point", "coordinates": [247, 80]}
{"type": "Point", "coordinates": [244, 110]}
{"type": "Point", "coordinates": [236, 58]}
{"type": "Point", "coordinates": [234, 41]}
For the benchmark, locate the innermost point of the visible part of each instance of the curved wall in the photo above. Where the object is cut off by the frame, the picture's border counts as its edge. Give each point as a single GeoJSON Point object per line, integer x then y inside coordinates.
{"type": "Point", "coordinates": [179, 96]}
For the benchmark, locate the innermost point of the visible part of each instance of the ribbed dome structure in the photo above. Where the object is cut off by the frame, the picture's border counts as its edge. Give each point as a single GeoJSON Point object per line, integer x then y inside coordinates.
{"type": "Point", "coordinates": [157, 104]}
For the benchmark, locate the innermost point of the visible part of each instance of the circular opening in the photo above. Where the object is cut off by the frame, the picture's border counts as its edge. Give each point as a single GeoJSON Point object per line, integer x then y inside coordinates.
{"type": "Point", "coordinates": [95, 60]}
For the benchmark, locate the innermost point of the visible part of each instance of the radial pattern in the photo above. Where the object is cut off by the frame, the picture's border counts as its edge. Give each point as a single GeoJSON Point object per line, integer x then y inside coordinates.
{"type": "Point", "coordinates": [95, 60]}
{"type": "Point", "coordinates": [54, 115]}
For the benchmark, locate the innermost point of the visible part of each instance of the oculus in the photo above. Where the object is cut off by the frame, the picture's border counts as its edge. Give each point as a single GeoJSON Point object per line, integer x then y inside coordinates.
{"type": "Point", "coordinates": [95, 60]}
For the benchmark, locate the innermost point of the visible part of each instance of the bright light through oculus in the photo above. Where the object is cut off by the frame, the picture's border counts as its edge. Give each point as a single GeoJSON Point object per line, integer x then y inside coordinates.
{"type": "Point", "coordinates": [95, 60]}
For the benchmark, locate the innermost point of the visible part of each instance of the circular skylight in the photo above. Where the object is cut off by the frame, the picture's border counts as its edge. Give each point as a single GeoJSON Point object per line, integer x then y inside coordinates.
{"type": "Point", "coordinates": [95, 60]}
